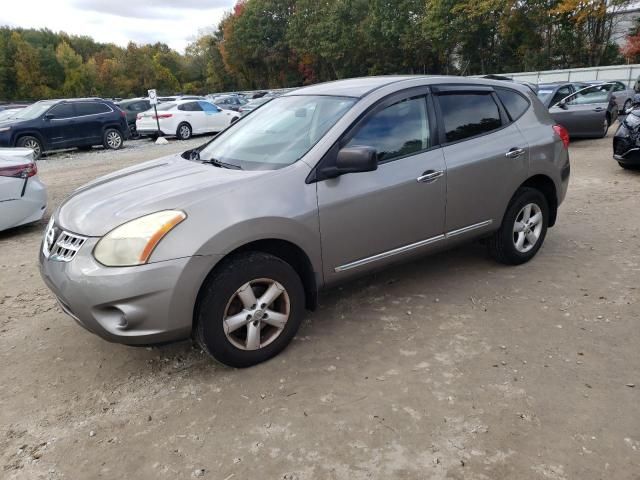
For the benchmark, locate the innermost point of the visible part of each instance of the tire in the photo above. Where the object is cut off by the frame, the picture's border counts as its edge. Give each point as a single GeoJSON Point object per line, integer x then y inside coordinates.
{"type": "Point", "coordinates": [184, 131]}
{"type": "Point", "coordinates": [219, 301]}
{"type": "Point", "coordinates": [112, 139]}
{"type": "Point", "coordinates": [33, 143]}
{"type": "Point", "coordinates": [504, 246]}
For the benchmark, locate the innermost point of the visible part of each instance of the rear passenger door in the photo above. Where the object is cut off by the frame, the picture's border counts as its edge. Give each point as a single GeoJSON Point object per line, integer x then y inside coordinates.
{"type": "Point", "coordinates": [486, 156]}
{"type": "Point", "coordinates": [195, 116]}
{"type": "Point", "coordinates": [90, 117]}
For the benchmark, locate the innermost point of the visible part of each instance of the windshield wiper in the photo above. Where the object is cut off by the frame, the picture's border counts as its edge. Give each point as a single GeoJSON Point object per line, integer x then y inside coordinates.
{"type": "Point", "coordinates": [195, 155]}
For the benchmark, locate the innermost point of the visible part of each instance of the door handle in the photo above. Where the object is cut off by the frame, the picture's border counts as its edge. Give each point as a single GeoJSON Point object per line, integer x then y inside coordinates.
{"type": "Point", "coordinates": [430, 176]}
{"type": "Point", "coordinates": [598, 109]}
{"type": "Point", "coordinates": [515, 153]}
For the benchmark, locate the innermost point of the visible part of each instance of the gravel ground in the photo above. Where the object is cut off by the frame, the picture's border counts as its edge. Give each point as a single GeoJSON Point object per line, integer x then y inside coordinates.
{"type": "Point", "coordinates": [449, 367]}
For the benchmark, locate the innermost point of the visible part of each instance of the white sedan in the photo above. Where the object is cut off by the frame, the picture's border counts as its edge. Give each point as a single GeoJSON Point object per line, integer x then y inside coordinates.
{"type": "Point", "coordinates": [184, 118]}
{"type": "Point", "coordinates": [23, 198]}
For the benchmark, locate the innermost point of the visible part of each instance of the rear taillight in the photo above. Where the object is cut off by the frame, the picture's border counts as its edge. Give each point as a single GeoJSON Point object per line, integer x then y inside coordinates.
{"type": "Point", "coordinates": [19, 171]}
{"type": "Point", "coordinates": [563, 134]}
{"type": "Point", "coordinates": [162, 115]}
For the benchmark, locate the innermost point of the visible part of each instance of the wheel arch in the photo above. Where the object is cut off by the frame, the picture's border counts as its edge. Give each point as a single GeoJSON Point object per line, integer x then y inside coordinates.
{"type": "Point", "coordinates": [30, 133]}
{"type": "Point", "coordinates": [283, 249]}
{"type": "Point", "coordinates": [547, 187]}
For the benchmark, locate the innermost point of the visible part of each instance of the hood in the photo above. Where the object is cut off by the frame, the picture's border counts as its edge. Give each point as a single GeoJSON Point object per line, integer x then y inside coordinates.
{"type": "Point", "coordinates": [167, 183]}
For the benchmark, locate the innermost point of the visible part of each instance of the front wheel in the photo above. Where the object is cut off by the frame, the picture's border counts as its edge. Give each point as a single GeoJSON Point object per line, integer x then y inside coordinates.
{"type": "Point", "coordinates": [33, 143]}
{"type": "Point", "coordinates": [249, 310]}
{"type": "Point", "coordinates": [112, 139]}
{"type": "Point", "coordinates": [523, 228]}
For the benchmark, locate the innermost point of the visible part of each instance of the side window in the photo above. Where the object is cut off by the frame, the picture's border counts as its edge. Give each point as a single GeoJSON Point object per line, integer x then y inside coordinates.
{"type": "Point", "coordinates": [398, 130]}
{"type": "Point", "coordinates": [91, 109]}
{"type": "Point", "coordinates": [139, 107]}
{"type": "Point", "coordinates": [190, 107]}
{"type": "Point", "coordinates": [514, 103]}
{"type": "Point", "coordinates": [466, 115]}
{"type": "Point", "coordinates": [208, 107]}
{"type": "Point", "coordinates": [562, 92]}
{"type": "Point", "coordinates": [64, 110]}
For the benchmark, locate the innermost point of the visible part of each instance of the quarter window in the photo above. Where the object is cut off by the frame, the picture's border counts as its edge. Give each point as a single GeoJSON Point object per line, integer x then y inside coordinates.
{"type": "Point", "coordinates": [513, 102]}
{"type": "Point", "coordinates": [466, 115]}
{"type": "Point", "coordinates": [398, 130]}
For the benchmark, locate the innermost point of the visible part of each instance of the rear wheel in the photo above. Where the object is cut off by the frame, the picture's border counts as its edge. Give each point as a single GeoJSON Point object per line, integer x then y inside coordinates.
{"type": "Point", "coordinates": [33, 143]}
{"type": "Point", "coordinates": [523, 228]}
{"type": "Point", "coordinates": [184, 131]}
{"type": "Point", "coordinates": [249, 310]}
{"type": "Point", "coordinates": [112, 139]}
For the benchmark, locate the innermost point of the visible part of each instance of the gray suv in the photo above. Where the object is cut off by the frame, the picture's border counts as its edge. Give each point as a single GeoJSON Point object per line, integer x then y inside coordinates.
{"type": "Point", "coordinates": [230, 242]}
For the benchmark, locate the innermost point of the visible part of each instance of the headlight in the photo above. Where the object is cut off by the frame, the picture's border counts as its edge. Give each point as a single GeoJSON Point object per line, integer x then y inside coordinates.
{"type": "Point", "coordinates": [133, 242]}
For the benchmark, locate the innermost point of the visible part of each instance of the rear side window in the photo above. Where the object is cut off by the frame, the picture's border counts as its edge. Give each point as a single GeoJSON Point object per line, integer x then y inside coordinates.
{"type": "Point", "coordinates": [398, 130]}
{"type": "Point", "coordinates": [190, 107]}
{"type": "Point", "coordinates": [64, 110]}
{"type": "Point", "coordinates": [91, 109]}
{"type": "Point", "coordinates": [466, 115]}
{"type": "Point", "coordinates": [513, 102]}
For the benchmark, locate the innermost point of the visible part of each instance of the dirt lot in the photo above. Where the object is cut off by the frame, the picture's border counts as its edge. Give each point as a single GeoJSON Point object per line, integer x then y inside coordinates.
{"type": "Point", "coordinates": [451, 367]}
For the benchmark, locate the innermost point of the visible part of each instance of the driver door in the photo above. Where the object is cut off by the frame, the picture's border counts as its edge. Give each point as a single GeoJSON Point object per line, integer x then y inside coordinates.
{"type": "Point", "coordinates": [584, 112]}
{"type": "Point", "coordinates": [370, 219]}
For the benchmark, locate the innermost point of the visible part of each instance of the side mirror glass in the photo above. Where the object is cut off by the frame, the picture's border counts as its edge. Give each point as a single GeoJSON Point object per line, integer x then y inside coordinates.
{"type": "Point", "coordinates": [353, 160]}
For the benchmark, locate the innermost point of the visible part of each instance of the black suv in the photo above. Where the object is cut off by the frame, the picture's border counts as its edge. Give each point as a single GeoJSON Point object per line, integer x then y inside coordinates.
{"type": "Point", "coordinates": [55, 124]}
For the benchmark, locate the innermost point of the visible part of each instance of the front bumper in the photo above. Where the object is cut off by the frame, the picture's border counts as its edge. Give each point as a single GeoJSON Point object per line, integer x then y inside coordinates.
{"type": "Point", "coordinates": [140, 305]}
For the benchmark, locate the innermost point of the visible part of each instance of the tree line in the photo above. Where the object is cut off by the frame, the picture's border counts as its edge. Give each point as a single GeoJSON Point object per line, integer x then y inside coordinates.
{"type": "Point", "coordinates": [285, 43]}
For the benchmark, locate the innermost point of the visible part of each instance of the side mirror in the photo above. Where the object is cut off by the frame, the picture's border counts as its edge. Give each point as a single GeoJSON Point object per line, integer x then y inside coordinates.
{"type": "Point", "coordinates": [563, 105]}
{"type": "Point", "coordinates": [353, 160]}
{"type": "Point", "coordinates": [49, 116]}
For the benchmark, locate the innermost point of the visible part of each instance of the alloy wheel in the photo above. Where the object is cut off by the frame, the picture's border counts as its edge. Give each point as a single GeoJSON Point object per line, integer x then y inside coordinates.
{"type": "Point", "coordinates": [256, 314]}
{"type": "Point", "coordinates": [185, 132]}
{"type": "Point", "coordinates": [33, 145]}
{"type": "Point", "coordinates": [527, 227]}
{"type": "Point", "coordinates": [114, 140]}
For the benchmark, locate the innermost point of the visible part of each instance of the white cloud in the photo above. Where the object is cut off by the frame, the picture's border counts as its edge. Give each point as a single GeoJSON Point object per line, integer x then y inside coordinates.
{"type": "Point", "coordinates": [174, 22]}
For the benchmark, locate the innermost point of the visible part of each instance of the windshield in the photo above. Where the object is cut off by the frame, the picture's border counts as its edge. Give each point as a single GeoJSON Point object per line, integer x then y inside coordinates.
{"type": "Point", "coordinates": [32, 111]}
{"type": "Point", "coordinates": [279, 133]}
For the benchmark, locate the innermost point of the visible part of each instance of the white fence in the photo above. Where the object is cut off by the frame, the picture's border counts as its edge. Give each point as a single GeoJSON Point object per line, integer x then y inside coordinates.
{"type": "Point", "coordinates": [626, 74]}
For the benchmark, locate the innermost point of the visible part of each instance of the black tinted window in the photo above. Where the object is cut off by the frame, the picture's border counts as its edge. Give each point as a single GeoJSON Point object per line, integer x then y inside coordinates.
{"type": "Point", "coordinates": [398, 130]}
{"type": "Point", "coordinates": [139, 106]}
{"type": "Point", "coordinates": [190, 107]}
{"type": "Point", "coordinates": [468, 114]}
{"type": "Point", "coordinates": [91, 108]}
{"type": "Point", "coordinates": [513, 102]}
{"type": "Point", "coordinates": [64, 110]}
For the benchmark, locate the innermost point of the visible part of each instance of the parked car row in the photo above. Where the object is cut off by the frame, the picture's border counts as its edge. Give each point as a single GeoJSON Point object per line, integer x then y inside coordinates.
{"type": "Point", "coordinates": [57, 124]}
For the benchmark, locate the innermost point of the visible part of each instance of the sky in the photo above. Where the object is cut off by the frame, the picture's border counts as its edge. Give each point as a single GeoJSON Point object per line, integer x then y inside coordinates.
{"type": "Point", "coordinates": [174, 22]}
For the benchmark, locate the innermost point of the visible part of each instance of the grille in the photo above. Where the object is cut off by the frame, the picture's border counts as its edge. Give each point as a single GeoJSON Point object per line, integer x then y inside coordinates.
{"type": "Point", "coordinates": [64, 247]}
